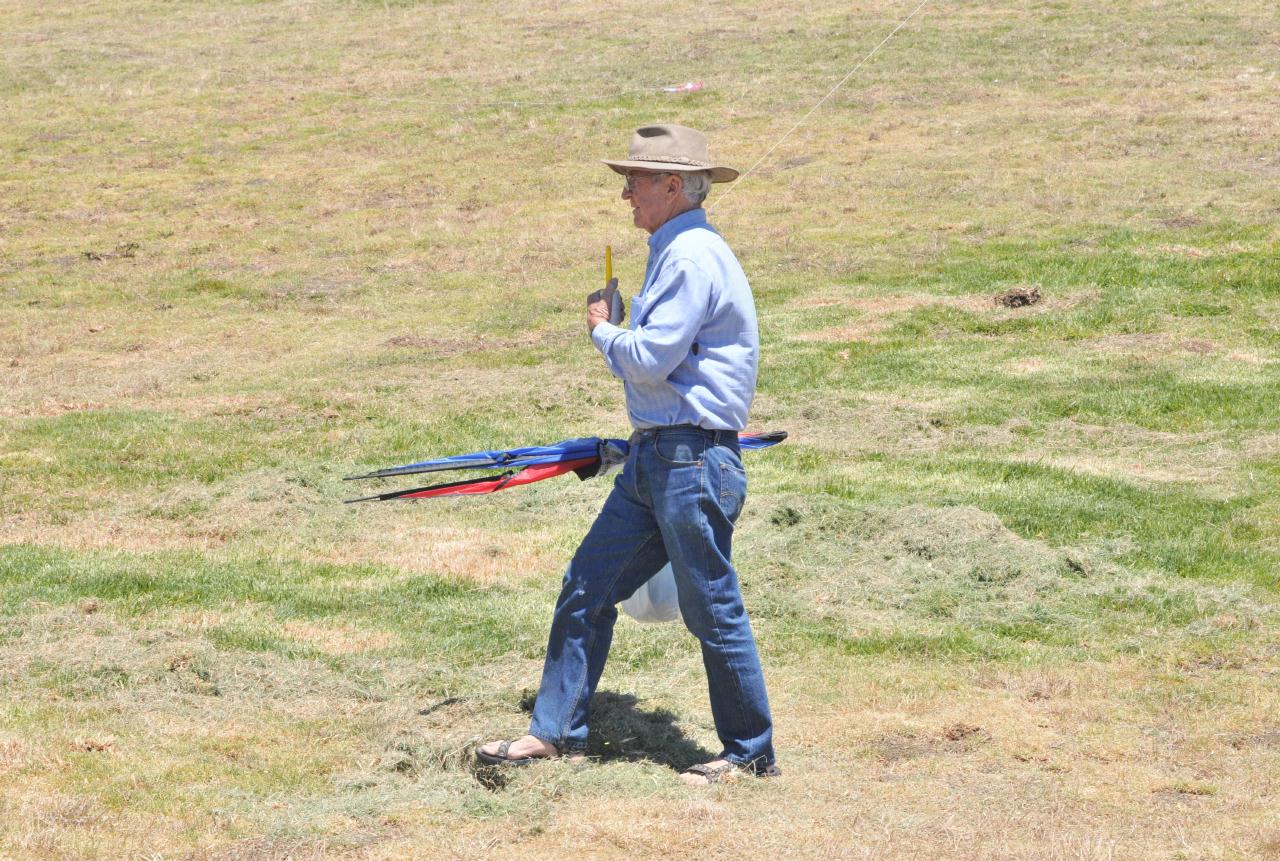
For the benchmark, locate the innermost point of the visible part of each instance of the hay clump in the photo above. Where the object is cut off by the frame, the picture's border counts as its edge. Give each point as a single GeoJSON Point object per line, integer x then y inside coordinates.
{"type": "Point", "coordinates": [924, 571]}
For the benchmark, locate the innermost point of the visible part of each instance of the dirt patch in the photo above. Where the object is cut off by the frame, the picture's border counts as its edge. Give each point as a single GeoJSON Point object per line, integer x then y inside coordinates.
{"type": "Point", "coordinates": [892, 747]}
{"type": "Point", "coordinates": [1018, 297]}
{"type": "Point", "coordinates": [966, 733]}
{"type": "Point", "coordinates": [958, 737]}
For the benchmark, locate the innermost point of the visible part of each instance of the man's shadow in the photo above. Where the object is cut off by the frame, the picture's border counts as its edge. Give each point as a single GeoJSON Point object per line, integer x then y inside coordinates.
{"type": "Point", "coordinates": [621, 730]}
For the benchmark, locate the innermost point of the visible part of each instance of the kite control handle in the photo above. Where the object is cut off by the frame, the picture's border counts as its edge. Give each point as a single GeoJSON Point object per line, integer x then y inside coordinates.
{"type": "Point", "coordinates": [617, 308]}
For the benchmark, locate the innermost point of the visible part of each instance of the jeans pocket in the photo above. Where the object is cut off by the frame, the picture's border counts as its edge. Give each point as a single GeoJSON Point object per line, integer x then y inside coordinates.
{"type": "Point", "coordinates": [733, 489]}
{"type": "Point", "coordinates": [680, 449]}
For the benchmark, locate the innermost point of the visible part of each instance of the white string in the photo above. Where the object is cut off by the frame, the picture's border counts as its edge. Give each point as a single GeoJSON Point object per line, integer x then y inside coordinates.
{"type": "Point", "coordinates": [820, 103]}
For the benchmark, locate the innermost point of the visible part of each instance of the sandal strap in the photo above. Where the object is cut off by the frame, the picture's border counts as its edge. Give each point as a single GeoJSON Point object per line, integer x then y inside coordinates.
{"type": "Point", "coordinates": [505, 746]}
{"type": "Point", "coordinates": [712, 773]}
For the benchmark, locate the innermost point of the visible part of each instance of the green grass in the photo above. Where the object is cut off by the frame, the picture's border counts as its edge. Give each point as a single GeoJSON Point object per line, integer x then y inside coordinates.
{"type": "Point", "coordinates": [1013, 574]}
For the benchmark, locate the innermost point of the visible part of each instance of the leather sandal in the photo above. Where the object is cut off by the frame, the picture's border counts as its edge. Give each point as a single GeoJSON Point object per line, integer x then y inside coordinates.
{"type": "Point", "coordinates": [501, 758]}
{"type": "Point", "coordinates": [715, 773]}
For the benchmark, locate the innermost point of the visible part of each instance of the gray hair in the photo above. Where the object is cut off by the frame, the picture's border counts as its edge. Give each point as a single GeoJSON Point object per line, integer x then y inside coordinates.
{"type": "Point", "coordinates": [697, 184]}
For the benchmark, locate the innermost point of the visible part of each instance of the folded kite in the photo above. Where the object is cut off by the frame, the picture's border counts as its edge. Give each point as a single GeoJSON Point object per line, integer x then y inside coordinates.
{"type": "Point", "coordinates": [586, 456]}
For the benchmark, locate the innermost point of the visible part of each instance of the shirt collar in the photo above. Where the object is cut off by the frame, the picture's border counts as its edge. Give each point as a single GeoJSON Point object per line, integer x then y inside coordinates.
{"type": "Point", "coordinates": [664, 235]}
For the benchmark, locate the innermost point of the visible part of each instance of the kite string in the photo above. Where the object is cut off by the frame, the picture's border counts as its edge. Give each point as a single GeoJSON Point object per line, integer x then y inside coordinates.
{"type": "Point", "coordinates": [820, 103]}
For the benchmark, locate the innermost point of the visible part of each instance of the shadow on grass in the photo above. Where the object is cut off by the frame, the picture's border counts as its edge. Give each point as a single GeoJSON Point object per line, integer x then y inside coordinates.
{"type": "Point", "coordinates": [621, 730]}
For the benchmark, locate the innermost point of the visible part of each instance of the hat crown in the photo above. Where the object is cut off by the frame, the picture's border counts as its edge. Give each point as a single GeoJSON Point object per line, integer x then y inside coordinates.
{"type": "Point", "coordinates": [670, 144]}
{"type": "Point", "coordinates": [673, 149]}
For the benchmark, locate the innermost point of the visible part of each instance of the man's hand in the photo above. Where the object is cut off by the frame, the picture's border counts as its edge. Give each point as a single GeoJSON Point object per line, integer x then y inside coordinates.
{"type": "Point", "coordinates": [601, 303]}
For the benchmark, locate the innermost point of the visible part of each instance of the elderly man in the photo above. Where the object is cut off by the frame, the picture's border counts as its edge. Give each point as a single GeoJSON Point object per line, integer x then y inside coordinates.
{"type": "Point", "coordinates": [688, 366]}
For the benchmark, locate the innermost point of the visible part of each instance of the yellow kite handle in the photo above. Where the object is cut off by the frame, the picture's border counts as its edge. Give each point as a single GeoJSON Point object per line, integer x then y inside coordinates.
{"type": "Point", "coordinates": [608, 263]}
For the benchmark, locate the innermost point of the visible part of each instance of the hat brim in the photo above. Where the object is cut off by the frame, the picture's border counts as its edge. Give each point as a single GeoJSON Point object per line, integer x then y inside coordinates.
{"type": "Point", "coordinates": [719, 173]}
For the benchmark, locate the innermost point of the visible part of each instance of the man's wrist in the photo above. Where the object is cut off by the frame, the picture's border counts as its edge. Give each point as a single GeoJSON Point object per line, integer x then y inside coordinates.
{"type": "Point", "coordinates": [602, 333]}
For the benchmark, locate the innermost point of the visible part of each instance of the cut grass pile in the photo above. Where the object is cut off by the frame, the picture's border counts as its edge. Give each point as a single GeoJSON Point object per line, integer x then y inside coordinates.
{"type": "Point", "coordinates": [1014, 574]}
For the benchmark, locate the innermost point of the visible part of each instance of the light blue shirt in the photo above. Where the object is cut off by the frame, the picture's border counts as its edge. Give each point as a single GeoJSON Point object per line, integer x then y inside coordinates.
{"type": "Point", "coordinates": [691, 353]}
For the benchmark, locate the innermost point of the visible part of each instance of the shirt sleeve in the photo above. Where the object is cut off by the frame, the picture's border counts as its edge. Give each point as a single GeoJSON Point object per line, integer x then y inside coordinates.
{"type": "Point", "coordinates": [675, 309]}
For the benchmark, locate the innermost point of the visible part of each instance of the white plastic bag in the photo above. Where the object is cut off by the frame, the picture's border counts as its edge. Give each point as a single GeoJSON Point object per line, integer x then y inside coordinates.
{"type": "Point", "coordinates": [656, 600]}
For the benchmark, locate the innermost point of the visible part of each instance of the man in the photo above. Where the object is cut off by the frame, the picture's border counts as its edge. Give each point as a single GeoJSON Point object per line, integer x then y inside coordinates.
{"type": "Point", "coordinates": [688, 365]}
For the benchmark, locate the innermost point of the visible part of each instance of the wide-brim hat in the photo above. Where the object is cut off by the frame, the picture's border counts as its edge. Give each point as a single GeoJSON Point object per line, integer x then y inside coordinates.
{"type": "Point", "coordinates": [671, 148]}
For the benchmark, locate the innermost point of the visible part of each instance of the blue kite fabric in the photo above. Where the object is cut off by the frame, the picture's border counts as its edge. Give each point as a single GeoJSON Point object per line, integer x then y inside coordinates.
{"type": "Point", "coordinates": [569, 449]}
{"type": "Point", "coordinates": [586, 456]}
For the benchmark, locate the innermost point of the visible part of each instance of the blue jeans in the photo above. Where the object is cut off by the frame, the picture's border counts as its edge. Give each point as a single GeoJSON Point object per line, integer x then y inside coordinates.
{"type": "Point", "coordinates": [676, 500]}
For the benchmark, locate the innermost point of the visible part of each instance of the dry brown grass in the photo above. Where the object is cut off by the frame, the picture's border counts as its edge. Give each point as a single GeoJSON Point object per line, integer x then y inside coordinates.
{"type": "Point", "coordinates": [321, 231]}
{"type": "Point", "coordinates": [1125, 759]}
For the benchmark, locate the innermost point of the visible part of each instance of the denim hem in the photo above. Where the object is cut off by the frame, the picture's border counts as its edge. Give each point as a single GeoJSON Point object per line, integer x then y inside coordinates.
{"type": "Point", "coordinates": [561, 747]}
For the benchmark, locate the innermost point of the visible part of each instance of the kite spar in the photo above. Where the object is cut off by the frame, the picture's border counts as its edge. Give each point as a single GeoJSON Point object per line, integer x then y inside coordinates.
{"type": "Point", "coordinates": [586, 456]}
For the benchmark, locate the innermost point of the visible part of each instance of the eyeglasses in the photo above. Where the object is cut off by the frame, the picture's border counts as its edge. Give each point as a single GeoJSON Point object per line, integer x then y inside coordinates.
{"type": "Point", "coordinates": [631, 178]}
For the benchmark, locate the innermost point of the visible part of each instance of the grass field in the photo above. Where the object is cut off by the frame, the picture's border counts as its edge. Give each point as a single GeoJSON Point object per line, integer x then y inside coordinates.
{"type": "Point", "coordinates": [1014, 575]}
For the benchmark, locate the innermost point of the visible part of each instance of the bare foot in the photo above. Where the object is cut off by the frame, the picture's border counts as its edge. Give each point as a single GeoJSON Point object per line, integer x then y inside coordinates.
{"type": "Point", "coordinates": [525, 747]}
{"type": "Point", "coordinates": [721, 770]}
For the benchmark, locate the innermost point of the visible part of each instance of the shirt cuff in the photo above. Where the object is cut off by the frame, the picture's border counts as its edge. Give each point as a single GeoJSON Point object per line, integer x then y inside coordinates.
{"type": "Point", "coordinates": [603, 336]}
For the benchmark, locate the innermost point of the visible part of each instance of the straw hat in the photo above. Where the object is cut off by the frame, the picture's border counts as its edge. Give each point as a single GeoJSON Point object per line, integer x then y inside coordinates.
{"type": "Point", "coordinates": [671, 148]}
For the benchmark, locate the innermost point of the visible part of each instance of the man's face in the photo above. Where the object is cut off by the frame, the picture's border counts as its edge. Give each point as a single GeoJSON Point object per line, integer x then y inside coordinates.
{"type": "Point", "coordinates": [653, 197]}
